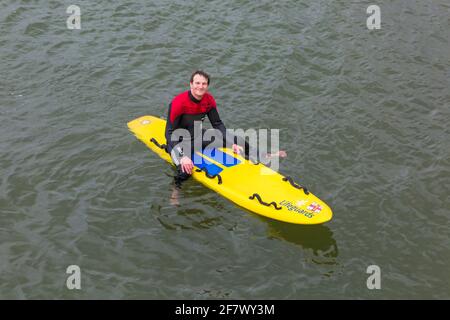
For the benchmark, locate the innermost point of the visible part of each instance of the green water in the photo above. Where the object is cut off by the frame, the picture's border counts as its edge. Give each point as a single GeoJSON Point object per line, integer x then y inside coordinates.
{"type": "Point", "coordinates": [363, 115]}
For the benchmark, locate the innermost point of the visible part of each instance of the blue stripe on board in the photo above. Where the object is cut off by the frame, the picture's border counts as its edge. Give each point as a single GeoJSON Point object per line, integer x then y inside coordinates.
{"type": "Point", "coordinates": [221, 157]}
{"type": "Point", "coordinates": [201, 163]}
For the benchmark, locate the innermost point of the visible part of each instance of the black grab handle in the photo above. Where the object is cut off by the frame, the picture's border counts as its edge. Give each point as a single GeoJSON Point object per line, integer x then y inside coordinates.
{"type": "Point", "coordinates": [219, 178]}
{"type": "Point", "coordinates": [161, 146]}
{"type": "Point", "coordinates": [287, 178]}
{"type": "Point", "coordinates": [257, 196]}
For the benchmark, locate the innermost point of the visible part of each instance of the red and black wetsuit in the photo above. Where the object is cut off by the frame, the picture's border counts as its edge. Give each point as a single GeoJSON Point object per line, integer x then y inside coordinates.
{"type": "Point", "coordinates": [184, 112]}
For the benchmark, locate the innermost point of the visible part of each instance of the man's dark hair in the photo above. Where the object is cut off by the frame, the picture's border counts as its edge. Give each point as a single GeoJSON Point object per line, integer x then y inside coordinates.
{"type": "Point", "coordinates": [200, 72]}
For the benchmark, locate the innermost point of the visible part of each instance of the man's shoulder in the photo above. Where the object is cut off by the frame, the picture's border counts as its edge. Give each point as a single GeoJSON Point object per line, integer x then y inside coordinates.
{"type": "Point", "coordinates": [181, 97]}
{"type": "Point", "coordinates": [209, 95]}
{"type": "Point", "coordinates": [210, 99]}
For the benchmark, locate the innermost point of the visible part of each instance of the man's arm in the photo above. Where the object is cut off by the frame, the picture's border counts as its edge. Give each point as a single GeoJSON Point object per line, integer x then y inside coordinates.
{"type": "Point", "coordinates": [173, 123]}
{"type": "Point", "coordinates": [217, 123]}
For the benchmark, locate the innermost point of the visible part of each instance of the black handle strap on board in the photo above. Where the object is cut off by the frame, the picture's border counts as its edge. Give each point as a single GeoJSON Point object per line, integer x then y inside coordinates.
{"type": "Point", "coordinates": [219, 178]}
{"type": "Point", "coordinates": [247, 157]}
{"type": "Point", "coordinates": [161, 146]}
{"type": "Point", "coordinates": [257, 196]}
{"type": "Point", "coordinates": [295, 185]}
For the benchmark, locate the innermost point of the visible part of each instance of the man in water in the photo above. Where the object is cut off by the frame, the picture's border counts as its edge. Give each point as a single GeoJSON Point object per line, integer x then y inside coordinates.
{"type": "Point", "coordinates": [186, 111]}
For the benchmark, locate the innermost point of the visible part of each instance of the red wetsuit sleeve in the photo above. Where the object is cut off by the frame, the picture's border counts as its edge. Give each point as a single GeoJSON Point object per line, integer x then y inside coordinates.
{"type": "Point", "coordinates": [216, 122]}
{"type": "Point", "coordinates": [212, 102]}
{"type": "Point", "coordinates": [176, 109]}
{"type": "Point", "coordinates": [173, 123]}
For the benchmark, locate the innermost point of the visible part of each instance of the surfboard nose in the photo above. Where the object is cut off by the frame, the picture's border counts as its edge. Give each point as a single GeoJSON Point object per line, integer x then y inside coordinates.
{"type": "Point", "coordinates": [139, 122]}
{"type": "Point", "coordinates": [325, 215]}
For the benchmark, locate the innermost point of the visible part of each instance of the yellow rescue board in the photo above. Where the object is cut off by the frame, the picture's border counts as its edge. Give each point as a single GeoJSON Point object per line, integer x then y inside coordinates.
{"type": "Point", "coordinates": [253, 186]}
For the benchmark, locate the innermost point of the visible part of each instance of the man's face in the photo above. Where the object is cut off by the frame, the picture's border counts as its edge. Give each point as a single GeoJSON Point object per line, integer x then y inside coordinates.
{"type": "Point", "coordinates": [199, 86]}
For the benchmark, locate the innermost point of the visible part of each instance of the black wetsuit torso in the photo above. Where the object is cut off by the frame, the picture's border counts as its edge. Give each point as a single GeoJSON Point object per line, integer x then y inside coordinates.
{"type": "Point", "coordinates": [185, 111]}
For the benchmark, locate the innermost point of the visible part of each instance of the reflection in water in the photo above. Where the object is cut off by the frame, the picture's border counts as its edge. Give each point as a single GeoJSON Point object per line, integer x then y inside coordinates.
{"type": "Point", "coordinates": [317, 238]}
{"type": "Point", "coordinates": [194, 211]}
{"type": "Point", "coordinates": [181, 218]}
{"type": "Point", "coordinates": [316, 241]}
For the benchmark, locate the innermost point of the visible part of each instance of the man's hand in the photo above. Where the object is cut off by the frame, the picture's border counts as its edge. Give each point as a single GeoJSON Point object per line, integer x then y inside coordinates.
{"type": "Point", "coordinates": [281, 154]}
{"type": "Point", "coordinates": [186, 165]}
{"type": "Point", "coordinates": [237, 149]}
